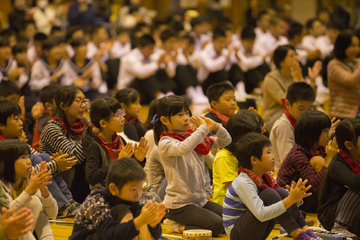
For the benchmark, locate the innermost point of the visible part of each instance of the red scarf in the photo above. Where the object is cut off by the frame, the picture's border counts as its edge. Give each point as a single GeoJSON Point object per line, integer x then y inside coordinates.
{"type": "Point", "coordinates": [287, 114]}
{"type": "Point", "coordinates": [2, 137]}
{"type": "Point", "coordinates": [76, 128]}
{"type": "Point", "coordinates": [224, 119]}
{"type": "Point", "coordinates": [318, 152]}
{"type": "Point", "coordinates": [355, 166]}
{"type": "Point", "coordinates": [113, 148]}
{"type": "Point", "coordinates": [202, 148]}
{"type": "Point", "coordinates": [267, 181]}
{"type": "Point", "coordinates": [133, 120]}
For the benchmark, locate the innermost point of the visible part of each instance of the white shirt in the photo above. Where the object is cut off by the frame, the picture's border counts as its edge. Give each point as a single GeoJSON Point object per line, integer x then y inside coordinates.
{"type": "Point", "coordinates": [4, 71]}
{"type": "Point", "coordinates": [200, 41]}
{"type": "Point", "coordinates": [182, 60]}
{"type": "Point", "coordinates": [93, 50]}
{"type": "Point", "coordinates": [170, 67]}
{"type": "Point", "coordinates": [31, 54]}
{"type": "Point", "coordinates": [133, 65]}
{"type": "Point", "coordinates": [268, 43]}
{"type": "Point", "coordinates": [326, 47]}
{"type": "Point", "coordinates": [259, 32]}
{"type": "Point", "coordinates": [308, 42]}
{"type": "Point", "coordinates": [118, 50]}
{"type": "Point", "coordinates": [210, 61]}
{"type": "Point", "coordinates": [70, 50]}
{"type": "Point", "coordinates": [43, 19]}
{"type": "Point", "coordinates": [248, 60]}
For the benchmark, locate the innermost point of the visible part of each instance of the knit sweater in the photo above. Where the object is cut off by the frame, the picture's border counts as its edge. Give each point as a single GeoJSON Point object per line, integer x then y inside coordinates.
{"type": "Point", "coordinates": [184, 167]}
{"type": "Point", "coordinates": [155, 170]}
{"type": "Point", "coordinates": [344, 86]}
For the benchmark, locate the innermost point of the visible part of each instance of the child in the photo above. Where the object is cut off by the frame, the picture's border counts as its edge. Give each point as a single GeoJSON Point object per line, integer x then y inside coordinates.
{"type": "Point", "coordinates": [83, 72]}
{"type": "Point", "coordinates": [122, 44]}
{"type": "Point", "coordinates": [149, 135]}
{"type": "Point", "coordinates": [106, 146]}
{"type": "Point", "coordinates": [222, 101]}
{"type": "Point", "coordinates": [47, 98]}
{"type": "Point", "coordinates": [225, 164]}
{"type": "Point", "coordinates": [254, 200]}
{"type": "Point", "coordinates": [300, 98]}
{"type": "Point", "coordinates": [129, 99]}
{"type": "Point", "coordinates": [339, 197]}
{"type": "Point", "coordinates": [36, 51]}
{"type": "Point", "coordinates": [198, 31]}
{"type": "Point", "coordinates": [138, 70]}
{"type": "Point", "coordinates": [114, 212]}
{"type": "Point", "coordinates": [8, 66]}
{"type": "Point", "coordinates": [315, 30]}
{"type": "Point", "coordinates": [326, 42]}
{"type": "Point", "coordinates": [22, 192]}
{"type": "Point", "coordinates": [308, 158]}
{"type": "Point", "coordinates": [63, 132]}
{"type": "Point", "coordinates": [19, 52]}
{"type": "Point", "coordinates": [99, 46]}
{"type": "Point", "coordinates": [49, 68]}
{"type": "Point", "coordinates": [262, 23]}
{"type": "Point", "coordinates": [182, 152]}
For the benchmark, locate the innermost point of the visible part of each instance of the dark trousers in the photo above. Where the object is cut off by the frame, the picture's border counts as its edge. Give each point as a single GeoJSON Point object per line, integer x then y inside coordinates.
{"type": "Point", "coordinates": [208, 217]}
{"type": "Point", "coordinates": [185, 77]}
{"type": "Point", "coordinates": [234, 75]}
{"type": "Point", "coordinates": [348, 211]}
{"type": "Point", "coordinates": [248, 227]}
{"type": "Point", "coordinates": [254, 76]}
{"type": "Point", "coordinates": [80, 187]}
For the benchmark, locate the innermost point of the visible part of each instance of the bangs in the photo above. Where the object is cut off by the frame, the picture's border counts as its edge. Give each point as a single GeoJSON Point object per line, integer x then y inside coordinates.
{"type": "Point", "coordinates": [113, 104]}
{"type": "Point", "coordinates": [176, 106]}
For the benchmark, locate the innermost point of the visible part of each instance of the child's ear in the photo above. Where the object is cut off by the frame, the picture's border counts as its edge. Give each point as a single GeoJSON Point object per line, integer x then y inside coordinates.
{"type": "Point", "coordinates": [48, 106]}
{"type": "Point", "coordinates": [123, 105]}
{"type": "Point", "coordinates": [213, 104]}
{"type": "Point", "coordinates": [113, 189]}
{"type": "Point", "coordinates": [164, 120]}
{"type": "Point", "coordinates": [348, 144]}
{"type": "Point", "coordinates": [253, 160]}
{"type": "Point", "coordinates": [2, 127]}
{"type": "Point", "coordinates": [63, 106]}
{"type": "Point", "coordinates": [287, 104]}
{"type": "Point", "coordinates": [102, 123]}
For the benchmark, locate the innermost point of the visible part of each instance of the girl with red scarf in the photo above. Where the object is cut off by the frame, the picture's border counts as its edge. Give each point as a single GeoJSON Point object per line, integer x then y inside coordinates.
{"type": "Point", "coordinates": [182, 152]}
{"type": "Point", "coordinates": [340, 195]}
{"type": "Point", "coordinates": [102, 144]}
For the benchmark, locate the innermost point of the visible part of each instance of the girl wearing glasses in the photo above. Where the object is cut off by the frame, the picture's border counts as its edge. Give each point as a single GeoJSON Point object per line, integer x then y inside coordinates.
{"type": "Point", "coordinates": [63, 132]}
{"type": "Point", "coordinates": [105, 146]}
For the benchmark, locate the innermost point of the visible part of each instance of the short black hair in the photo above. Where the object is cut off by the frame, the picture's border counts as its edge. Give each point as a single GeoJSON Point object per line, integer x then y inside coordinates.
{"type": "Point", "coordinates": [300, 91]}
{"type": "Point", "coordinates": [127, 96]}
{"type": "Point", "coordinates": [335, 24]}
{"type": "Point", "coordinates": [18, 48]}
{"type": "Point", "coordinates": [216, 90]}
{"type": "Point", "coordinates": [347, 130]}
{"type": "Point", "coordinates": [8, 108]}
{"type": "Point", "coordinates": [274, 21]}
{"type": "Point", "coordinates": [48, 44]}
{"type": "Point", "coordinates": [21, 39]}
{"type": "Point", "coordinates": [248, 32]}
{"type": "Point", "coordinates": [251, 144]}
{"type": "Point", "coordinates": [322, 9]}
{"type": "Point", "coordinates": [167, 34]}
{"type": "Point", "coordinates": [219, 32]}
{"type": "Point", "coordinates": [47, 94]}
{"type": "Point", "coordinates": [6, 33]}
{"type": "Point", "coordinates": [10, 151]}
{"type": "Point", "coordinates": [177, 26]}
{"type": "Point", "coordinates": [121, 30]}
{"type": "Point", "coordinates": [40, 37]}
{"type": "Point", "coordinates": [146, 40]}
{"type": "Point", "coordinates": [7, 88]}
{"type": "Point", "coordinates": [123, 171]}
{"type": "Point", "coordinates": [189, 38]}
{"type": "Point", "coordinates": [295, 29]}
{"type": "Point", "coordinates": [4, 42]}
{"type": "Point", "coordinates": [342, 42]}
{"type": "Point", "coordinates": [280, 54]}
{"type": "Point", "coordinates": [71, 30]}
{"type": "Point", "coordinates": [261, 14]}
{"type": "Point", "coordinates": [77, 42]}
{"type": "Point", "coordinates": [197, 21]}
{"type": "Point", "coordinates": [309, 128]}
{"type": "Point", "coordinates": [95, 28]}
{"type": "Point", "coordinates": [55, 29]}
{"type": "Point", "coordinates": [310, 23]}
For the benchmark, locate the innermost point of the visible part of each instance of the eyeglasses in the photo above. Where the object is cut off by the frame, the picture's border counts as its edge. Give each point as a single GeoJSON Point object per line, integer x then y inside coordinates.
{"type": "Point", "coordinates": [119, 114]}
{"type": "Point", "coordinates": [81, 101]}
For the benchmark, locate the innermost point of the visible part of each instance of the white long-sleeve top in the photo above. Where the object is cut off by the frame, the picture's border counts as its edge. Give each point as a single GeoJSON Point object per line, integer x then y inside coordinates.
{"type": "Point", "coordinates": [259, 32]}
{"type": "Point", "coordinates": [210, 61]}
{"type": "Point", "coordinates": [118, 50]}
{"type": "Point", "coordinates": [182, 60]}
{"type": "Point", "coordinates": [44, 18]}
{"type": "Point", "coordinates": [41, 73]}
{"type": "Point", "coordinates": [169, 67]}
{"type": "Point", "coordinates": [309, 43]}
{"type": "Point", "coordinates": [4, 71]}
{"type": "Point", "coordinates": [92, 50]}
{"type": "Point", "coordinates": [268, 43]}
{"type": "Point", "coordinates": [248, 60]}
{"type": "Point", "coordinates": [324, 44]}
{"type": "Point", "coordinates": [134, 65]}
{"type": "Point", "coordinates": [200, 41]}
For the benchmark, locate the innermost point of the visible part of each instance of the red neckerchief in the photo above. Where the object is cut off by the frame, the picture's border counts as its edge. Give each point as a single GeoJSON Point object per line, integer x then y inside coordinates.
{"type": "Point", "coordinates": [2, 137]}
{"type": "Point", "coordinates": [113, 148]}
{"type": "Point", "coordinates": [287, 114]}
{"type": "Point", "coordinates": [45, 111]}
{"type": "Point", "coordinates": [76, 128]}
{"type": "Point", "coordinates": [133, 120]}
{"type": "Point", "coordinates": [224, 119]}
{"type": "Point", "coordinates": [355, 166]}
{"type": "Point", "coordinates": [202, 148]}
{"type": "Point", "coordinates": [318, 152]}
{"type": "Point", "coordinates": [267, 181]}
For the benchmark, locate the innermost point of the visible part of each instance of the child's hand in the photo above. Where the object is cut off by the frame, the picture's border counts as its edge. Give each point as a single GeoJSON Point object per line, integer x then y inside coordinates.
{"type": "Point", "coordinates": [64, 163]}
{"type": "Point", "coordinates": [39, 180]}
{"type": "Point", "coordinates": [54, 78]}
{"type": "Point", "coordinates": [147, 215]}
{"type": "Point", "coordinates": [141, 149]}
{"type": "Point", "coordinates": [212, 125]}
{"type": "Point", "coordinates": [23, 137]}
{"type": "Point", "coordinates": [127, 151]}
{"type": "Point", "coordinates": [296, 71]}
{"type": "Point", "coordinates": [44, 191]}
{"type": "Point", "coordinates": [80, 82]}
{"type": "Point", "coordinates": [36, 110]}
{"type": "Point", "coordinates": [331, 150]}
{"type": "Point", "coordinates": [159, 215]}
{"type": "Point", "coordinates": [16, 225]}
{"type": "Point", "coordinates": [22, 105]}
{"type": "Point", "coordinates": [298, 190]}
{"type": "Point", "coordinates": [197, 121]}
{"type": "Point", "coordinates": [334, 125]}
{"type": "Point", "coordinates": [87, 73]}
{"type": "Point", "coordinates": [315, 70]}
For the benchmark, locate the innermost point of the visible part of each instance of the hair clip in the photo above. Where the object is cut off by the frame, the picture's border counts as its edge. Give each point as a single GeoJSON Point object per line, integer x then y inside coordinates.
{"type": "Point", "coordinates": [155, 119]}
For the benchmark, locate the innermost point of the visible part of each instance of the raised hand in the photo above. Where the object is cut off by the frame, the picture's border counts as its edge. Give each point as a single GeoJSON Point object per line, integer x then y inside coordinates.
{"type": "Point", "coordinates": [298, 190]}
{"type": "Point", "coordinates": [23, 137]}
{"type": "Point", "coordinates": [197, 121]}
{"type": "Point", "coordinates": [127, 151]}
{"type": "Point", "coordinates": [296, 71]}
{"type": "Point", "coordinates": [16, 225]}
{"type": "Point", "coordinates": [39, 180]}
{"type": "Point", "coordinates": [36, 110]}
{"type": "Point", "coordinates": [211, 124]}
{"type": "Point", "coordinates": [315, 70]}
{"type": "Point", "coordinates": [331, 150]}
{"type": "Point", "coordinates": [334, 124]}
{"type": "Point", "coordinates": [64, 163]}
{"type": "Point", "coordinates": [22, 105]}
{"type": "Point", "coordinates": [147, 215]}
{"type": "Point", "coordinates": [160, 213]}
{"type": "Point", "coordinates": [141, 149]}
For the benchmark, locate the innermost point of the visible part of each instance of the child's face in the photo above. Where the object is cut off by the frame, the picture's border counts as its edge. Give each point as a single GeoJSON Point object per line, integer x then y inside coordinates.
{"type": "Point", "coordinates": [131, 191]}
{"type": "Point", "coordinates": [267, 160]}
{"type": "Point", "coordinates": [324, 137]}
{"type": "Point", "coordinates": [54, 53]}
{"type": "Point", "coordinates": [5, 52]}
{"type": "Point", "coordinates": [78, 34]}
{"type": "Point", "coordinates": [22, 166]}
{"type": "Point", "coordinates": [317, 29]}
{"type": "Point", "coordinates": [133, 110]}
{"type": "Point", "coordinates": [179, 122]}
{"type": "Point", "coordinates": [13, 128]}
{"type": "Point", "coordinates": [77, 108]}
{"type": "Point", "coordinates": [38, 48]}
{"type": "Point", "coordinates": [116, 122]}
{"type": "Point", "coordinates": [226, 104]}
{"type": "Point", "coordinates": [299, 107]}
{"type": "Point", "coordinates": [81, 50]}
{"type": "Point", "coordinates": [219, 44]}
{"type": "Point", "coordinates": [123, 38]}
{"type": "Point", "coordinates": [21, 58]}
{"type": "Point", "coordinates": [147, 50]}
{"type": "Point", "coordinates": [279, 29]}
{"type": "Point", "coordinates": [30, 31]}
{"type": "Point", "coordinates": [355, 150]}
{"type": "Point", "coordinates": [170, 44]}
{"type": "Point", "coordinates": [102, 35]}
{"type": "Point", "coordinates": [248, 44]}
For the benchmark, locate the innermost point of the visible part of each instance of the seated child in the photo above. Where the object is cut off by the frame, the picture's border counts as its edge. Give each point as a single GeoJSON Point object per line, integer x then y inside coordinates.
{"type": "Point", "coordinates": [182, 152]}
{"type": "Point", "coordinates": [254, 201]}
{"type": "Point", "coordinates": [339, 199]}
{"type": "Point", "coordinates": [308, 158]}
{"type": "Point", "coordinates": [122, 44]}
{"type": "Point", "coordinates": [19, 52]}
{"type": "Point", "coordinates": [222, 101]}
{"type": "Point", "coordinates": [24, 192]}
{"type": "Point", "coordinates": [225, 164]}
{"type": "Point", "coordinates": [47, 98]}
{"type": "Point", "coordinates": [8, 66]}
{"type": "Point", "coordinates": [114, 212]}
{"type": "Point", "coordinates": [300, 98]}
{"type": "Point", "coordinates": [105, 146]}
{"type": "Point", "coordinates": [129, 99]}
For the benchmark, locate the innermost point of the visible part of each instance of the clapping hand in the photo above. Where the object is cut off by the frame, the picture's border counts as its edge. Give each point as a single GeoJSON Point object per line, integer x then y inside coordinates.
{"type": "Point", "coordinates": [141, 149]}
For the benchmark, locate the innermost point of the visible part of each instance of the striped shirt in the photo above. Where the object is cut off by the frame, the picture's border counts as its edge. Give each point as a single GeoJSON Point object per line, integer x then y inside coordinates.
{"type": "Point", "coordinates": [242, 196]}
{"type": "Point", "coordinates": [52, 165]}
{"type": "Point", "coordinates": [53, 139]}
{"type": "Point", "coordinates": [297, 164]}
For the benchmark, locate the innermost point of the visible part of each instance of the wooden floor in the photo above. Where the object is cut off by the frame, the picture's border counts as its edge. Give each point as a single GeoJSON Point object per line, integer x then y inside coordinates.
{"type": "Point", "coordinates": [62, 230]}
